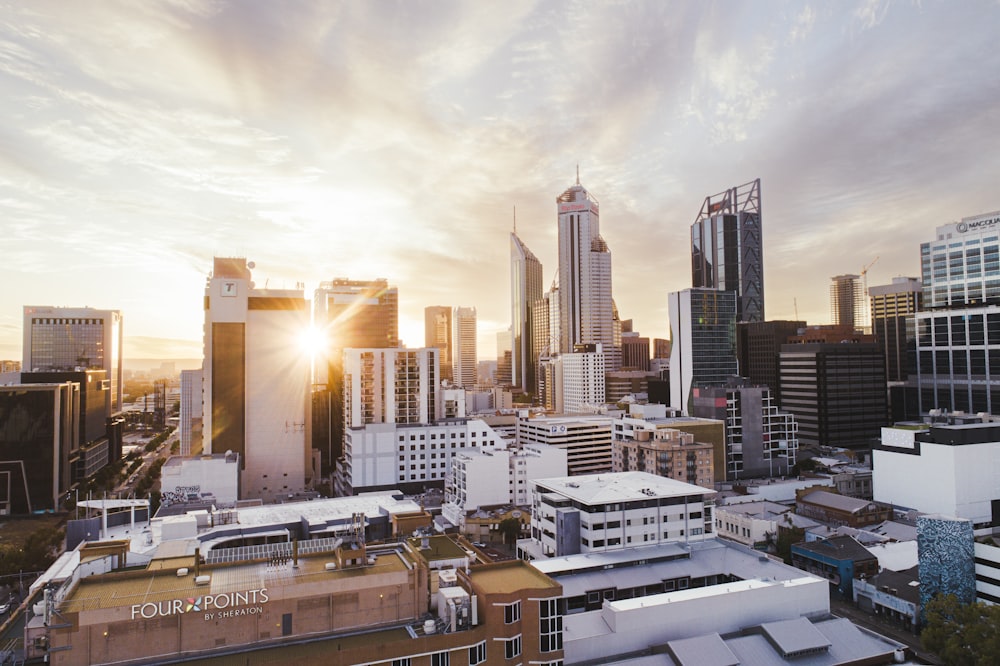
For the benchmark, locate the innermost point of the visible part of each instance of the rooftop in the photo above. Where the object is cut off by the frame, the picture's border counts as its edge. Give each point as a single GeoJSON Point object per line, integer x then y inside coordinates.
{"type": "Point", "coordinates": [619, 487]}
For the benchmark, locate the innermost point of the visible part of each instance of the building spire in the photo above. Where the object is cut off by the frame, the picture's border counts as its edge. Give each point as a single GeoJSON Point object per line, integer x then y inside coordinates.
{"type": "Point", "coordinates": [577, 173]}
{"type": "Point", "coordinates": [515, 219]}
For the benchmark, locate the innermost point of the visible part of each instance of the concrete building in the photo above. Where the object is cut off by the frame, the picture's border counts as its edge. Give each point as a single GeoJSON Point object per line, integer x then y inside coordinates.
{"type": "Point", "coordinates": [586, 309]}
{"type": "Point", "coordinates": [380, 456]}
{"type": "Point", "coordinates": [652, 446]}
{"type": "Point", "coordinates": [847, 302]}
{"type": "Point", "coordinates": [753, 524]}
{"type": "Point", "coordinates": [505, 359]}
{"type": "Point", "coordinates": [635, 352]}
{"type": "Point", "coordinates": [463, 340]}
{"type": "Point", "coordinates": [834, 509]}
{"type": "Point", "coordinates": [893, 306]}
{"type": "Point", "coordinates": [437, 333]}
{"type": "Point", "coordinates": [761, 440]}
{"type": "Point", "coordinates": [600, 512]}
{"type": "Point", "coordinates": [702, 324]}
{"type": "Point", "coordinates": [257, 381]}
{"type": "Point", "coordinates": [727, 248]}
{"type": "Point", "coordinates": [497, 477]}
{"type": "Point", "coordinates": [586, 439]}
{"type": "Point", "coordinates": [526, 287]}
{"type": "Point", "coordinates": [941, 469]}
{"type": "Point", "coordinates": [836, 391]}
{"type": "Point", "coordinates": [583, 386]}
{"type": "Point", "coordinates": [839, 559]}
{"type": "Point", "coordinates": [57, 339]}
{"type": "Point", "coordinates": [391, 386]}
{"type": "Point", "coordinates": [627, 385]}
{"type": "Point", "coordinates": [191, 411]}
{"type": "Point", "coordinates": [210, 480]}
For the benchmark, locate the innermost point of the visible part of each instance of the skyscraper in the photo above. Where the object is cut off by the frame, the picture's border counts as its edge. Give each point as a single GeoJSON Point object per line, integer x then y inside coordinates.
{"type": "Point", "coordinates": [257, 381]}
{"type": "Point", "coordinates": [586, 311]}
{"type": "Point", "coordinates": [437, 333]}
{"type": "Point", "coordinates": [525, 290]}
{"type": "Point", "coordinates": [66, 339]}
{"type": "Point", "coordinates": [703, 350]}
{"type": "Point", "coordinates": [847, 301]}
{"type": "Point", "coordinates": [727, 248]}
{"type": "Point", "coordinates": [893, 306]}
{"type": "Point", "coordinates": [349, 314]}
{"type": "Point", "coordinates": [464, 346]}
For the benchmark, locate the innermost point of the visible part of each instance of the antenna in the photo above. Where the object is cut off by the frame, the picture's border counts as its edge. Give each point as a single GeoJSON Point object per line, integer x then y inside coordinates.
{"type": "Point", "coordinates": [795, 303]}
{"type": "Point", "coordinates": [577, 173]}
{"type": "Point", "coordinates": [515, 219]}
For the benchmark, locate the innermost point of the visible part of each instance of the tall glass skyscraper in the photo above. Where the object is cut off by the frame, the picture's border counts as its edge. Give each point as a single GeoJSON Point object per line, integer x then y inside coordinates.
{"type": "Point", "coordinates": [703, 331]}
{"type": "Point", "coordinates": [727, 248]}
{"type": "Point", "coordinates": [525, 291]}
{"type": "Point", "coordinates": [586, 311]}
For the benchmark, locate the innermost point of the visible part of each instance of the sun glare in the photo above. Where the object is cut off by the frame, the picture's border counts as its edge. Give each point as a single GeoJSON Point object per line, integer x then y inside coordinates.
{"type": "Point", "coordinates": [310, 341]}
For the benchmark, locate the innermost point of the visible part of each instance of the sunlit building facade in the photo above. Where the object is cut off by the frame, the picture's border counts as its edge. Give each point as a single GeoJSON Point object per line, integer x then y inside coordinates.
{"type": "Point", "coordinates": [525, 290]}
{"type": "Point", "coordinates": [437, 333]}
{"type": "Point", "coordinates": [464, 360]}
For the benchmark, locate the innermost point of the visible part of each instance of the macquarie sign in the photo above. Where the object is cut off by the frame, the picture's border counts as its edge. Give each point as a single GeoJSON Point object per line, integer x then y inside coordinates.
{"type": "Point", "coordinates": [214, 606]}
{"type": "Point", "coordinates": [978, 223]}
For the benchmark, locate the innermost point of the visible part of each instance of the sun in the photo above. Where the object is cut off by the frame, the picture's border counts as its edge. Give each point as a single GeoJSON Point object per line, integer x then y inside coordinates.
{"type": "Point", "coordinates": [311, 341]}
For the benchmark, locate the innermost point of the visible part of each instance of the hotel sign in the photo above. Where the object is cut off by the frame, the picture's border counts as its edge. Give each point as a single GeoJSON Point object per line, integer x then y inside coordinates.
{"type": "Point", "coordinates": [578, 207]}
{"type": "Point", "coordinates": [214, 606]}
{"type": "Point", "coordinates": [975, 224]}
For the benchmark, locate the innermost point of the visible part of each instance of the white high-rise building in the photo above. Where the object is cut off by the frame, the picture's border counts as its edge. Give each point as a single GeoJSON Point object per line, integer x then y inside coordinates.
{"type": "Point", "coordinates": [391, 386]}
{"type": "Point", "coordinates": [257, 381]}
{"type": "Point", "coordinates": [586, 311]}
{"type": "Point", "coordinates": [67, 339]}
{"type": "Point", "coordinates": [583, 380]}
{"type": "Point", "coordinates": [525, 290]}
{"type": "Point", "coordinates": [464, 340]}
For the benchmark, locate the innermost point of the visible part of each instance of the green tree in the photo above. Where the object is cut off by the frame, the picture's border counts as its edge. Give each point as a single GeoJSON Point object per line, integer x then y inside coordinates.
{"type": "Point", "coordinates": [961, 634]}
{"type": "Point", "coordinates": [787, 536]}
{"type": "Point", "coordinates": [510, 530]}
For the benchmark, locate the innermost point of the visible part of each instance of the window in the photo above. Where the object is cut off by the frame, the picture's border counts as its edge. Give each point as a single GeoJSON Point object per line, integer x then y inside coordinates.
{"type": "Point", "coordinates": [512, 647]}
{"type": "Point", "coordinates": [512, 613]}
{"type": "Point", "coordinates": [477, 653]}
{"type": "Point", "coordinates": [550, 627]}
{"type": "Point", "coordinates": [405, 661]}
{"type": "Point", "coordinates": [440, 659]}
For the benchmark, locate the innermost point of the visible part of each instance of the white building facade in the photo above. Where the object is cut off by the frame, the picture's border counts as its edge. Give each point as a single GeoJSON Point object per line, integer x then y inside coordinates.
{"type": "Point", "coordinates": [463, 339]}
{"type": "Point", "coordinates": [396, 385]}
{"type": "Point", "coordinates": [583, 380]}
{"type": "Point", "coordinates": [597, 513]}
{"type": "Point", "coordinates": [257, 381]}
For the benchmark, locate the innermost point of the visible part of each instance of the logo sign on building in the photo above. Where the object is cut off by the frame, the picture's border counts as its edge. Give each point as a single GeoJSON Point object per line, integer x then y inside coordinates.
{"type": "Point", "coordinates": [215, 606]}
{"type": "Point", "coordinates": [578, 207]}
{"type": "Point", "coordinates": [978, 223]}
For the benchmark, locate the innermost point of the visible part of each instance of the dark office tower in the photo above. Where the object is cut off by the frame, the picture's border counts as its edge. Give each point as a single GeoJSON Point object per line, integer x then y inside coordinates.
{"type": "Point", "coordinates": [525, 289]}
{"type": "Point", "coordinates": [437, 333]}
{"type": "Point", "coordinates": [837, 392]}
{"type": "Point", "coordinates": [847, 301]}
{"type": "Point", "coordinates": [635, 352]}
{"type": "Point", "coordinates": [702, 326]}
{"type": "Point", "coordinates": [727, 248]}
{"type": "Point", "coordinates": [758, 344]}
{"type": "Point", "coordinates": [350, 314]}
{"type": "Point", "coordinates": [893, 306]}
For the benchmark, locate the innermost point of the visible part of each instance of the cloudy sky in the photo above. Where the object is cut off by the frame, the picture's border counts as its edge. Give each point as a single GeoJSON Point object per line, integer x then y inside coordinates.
{"type": "Point", "coordinates": [394, 139]}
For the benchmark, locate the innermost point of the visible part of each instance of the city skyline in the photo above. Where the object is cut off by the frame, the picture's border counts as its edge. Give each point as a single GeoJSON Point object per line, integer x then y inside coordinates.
{"type": "Point", "coordinates": [367, 141]}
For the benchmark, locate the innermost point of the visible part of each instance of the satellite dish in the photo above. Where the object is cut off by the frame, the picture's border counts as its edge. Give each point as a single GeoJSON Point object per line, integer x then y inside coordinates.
{"type": "Point", "coordinates": [251, 265]}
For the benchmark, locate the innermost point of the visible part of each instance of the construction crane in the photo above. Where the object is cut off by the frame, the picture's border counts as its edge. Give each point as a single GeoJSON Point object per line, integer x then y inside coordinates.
{"type": "Point", "coordinates": [864, 283]}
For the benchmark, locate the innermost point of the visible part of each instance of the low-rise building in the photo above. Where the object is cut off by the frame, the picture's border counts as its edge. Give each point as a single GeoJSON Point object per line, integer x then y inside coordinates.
{"type": "Point", "coordinates": [838, 559]}
{"type": "Point", "coordinates": [585, 438]}
{"type": "Point", "coordinates": [753, 524]}
{"type": "Point", "coordinates": [891, 595]}
{"type": "Point", "coordinates": [835, 509]}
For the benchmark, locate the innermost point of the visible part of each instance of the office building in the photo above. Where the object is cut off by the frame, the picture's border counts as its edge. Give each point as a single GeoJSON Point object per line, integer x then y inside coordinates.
{"type": "Point", "coordinates": [956, 336]}
{"type": "Point", "coordinates": [391, 386]}
{"type": "Point", "coordinates": [635, 352]}
{"type": "Point", "coordinates": [71, 339]}
{"type": "Point", "coordinates": [191, 412]}
{"type": "Point", "coordinates": [526, 287]}
{"type": "Point", "coordinates": [358, 314]}
{"type": "Point", "coordinates": [893, 306]}
{"type": "Point", "coordinates": [758, 346]}
{"type": "Point", "coordinates": [727, 248]}
{"type": "Point", "coordinates": [464, 360]}
{"type": "Point", "coordinates": [411, 458]}
{"type": "Point", "coordinates": [583, 380]}
{"type": "Point", "coordinates": [505, 359]}
{"type": "Point", "coordinates": [761, 440]}
{"type": "Point", "coordinates": [586, 439]}
{"type": "Point", "coordinates": [703, 330]}
{"type": "Point", "coordinates": [941, 468]}
{"type": "Point", "coordinates": [836, 391]}
{"type": "Point", "coordinates": [586, 310]}
{"type": "Point", "coordinates": [847, 301]}
{"type": "Point", "coordinates": [257, 381]}
{"type": "Point", "coordinates": [628, 385]}
{"type": "Point", "coordinates": [437, 333]}
{"type": "Point", "coordinates": [596, 513]}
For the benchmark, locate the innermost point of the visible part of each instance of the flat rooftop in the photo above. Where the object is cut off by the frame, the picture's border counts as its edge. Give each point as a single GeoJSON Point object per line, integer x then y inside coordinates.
{"type": "Point", "coordinates": [510, 576]}
{"type": "Point", "coordinates": [619, 487]}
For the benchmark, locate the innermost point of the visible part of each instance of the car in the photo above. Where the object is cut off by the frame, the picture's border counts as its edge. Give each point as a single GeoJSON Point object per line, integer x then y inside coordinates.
{"type": "Point", "coordinates": [4, 607]}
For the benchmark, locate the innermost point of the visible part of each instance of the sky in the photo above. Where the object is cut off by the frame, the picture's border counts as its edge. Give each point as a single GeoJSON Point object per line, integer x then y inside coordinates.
{"type": "Point", "coordinates": [138, 140]}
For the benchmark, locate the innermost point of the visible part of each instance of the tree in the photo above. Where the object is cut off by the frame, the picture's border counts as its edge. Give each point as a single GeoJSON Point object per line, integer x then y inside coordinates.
{"type": "Point", "coordinates": [510, 530]}
{"type": "Point", "coordinates": [961, 634]}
